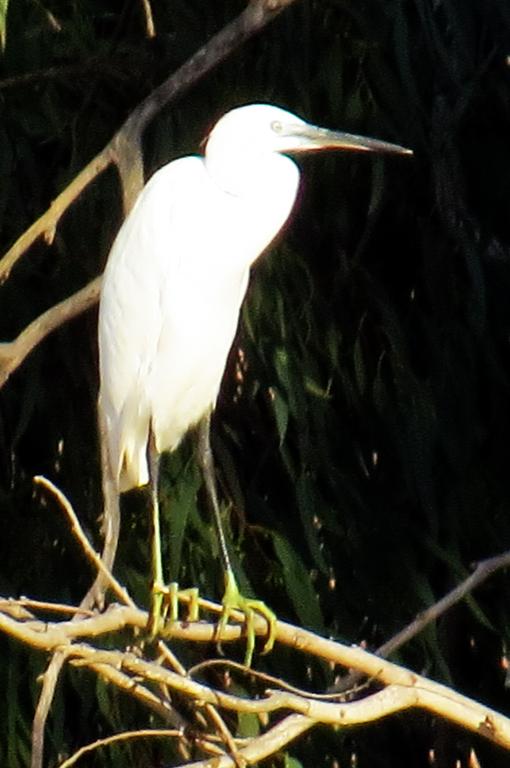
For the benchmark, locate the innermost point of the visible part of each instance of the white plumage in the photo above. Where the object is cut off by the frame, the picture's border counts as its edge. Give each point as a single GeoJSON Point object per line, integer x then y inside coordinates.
{"type": "Point", "coordinates": [178, 271]}
{"type": "Point", "coordinates": [172, 290]}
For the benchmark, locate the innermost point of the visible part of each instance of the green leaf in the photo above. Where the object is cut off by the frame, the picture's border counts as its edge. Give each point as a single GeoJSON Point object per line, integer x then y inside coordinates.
{"type": "Point", "coordinates": [298, 584]}
{"type": "Point", "coordinates": [103, 696]}
{"type": "Point", "coordinates": [4, 4]}
{"type": "Point", "coordinates": [291, 762]}
{"type": "Point", "coordinates": [281, 413]}
{"type": "Point", "coordinates": [248, 725]}
{"type": "Point", "coordinates": [179, 502]}
{"type": "Point", "coordinates": [307, 511]}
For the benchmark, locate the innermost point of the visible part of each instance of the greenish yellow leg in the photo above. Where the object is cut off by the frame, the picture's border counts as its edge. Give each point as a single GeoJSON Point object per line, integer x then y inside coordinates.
{"type": "Point", "coordinates": [164, 600]}
{"type": "Point", "coordinates": [233, 600]}
{"type": "Point", "coordinates": [156, 614]}
{"type": "Point", "coordinates": [156, 618]}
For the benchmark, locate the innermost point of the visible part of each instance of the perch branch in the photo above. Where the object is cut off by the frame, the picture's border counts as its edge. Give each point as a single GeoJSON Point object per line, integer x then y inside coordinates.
{"type": "Point", "coordinates": [402, 689]}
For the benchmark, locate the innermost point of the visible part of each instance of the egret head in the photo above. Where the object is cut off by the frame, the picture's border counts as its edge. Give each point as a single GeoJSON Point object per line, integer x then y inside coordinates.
{"type": "Point", "coordinates": [253, 134]}
{"type": "Point", "coordinates": [266, 128]}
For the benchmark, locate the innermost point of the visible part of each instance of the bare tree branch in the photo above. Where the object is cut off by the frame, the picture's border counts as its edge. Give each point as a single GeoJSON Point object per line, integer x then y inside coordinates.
{"type": "Point", "coordinates": [12, 353]}
{"type": "Point", "coordinates": [119, 150]}
{"type": "Point", "coordinates": [124, 149]}
{"type": "Point", "coordinates": [150, 29]}
{"type": "Point", "coordinates": [397, 688]}
{"type": "Point", "coordinates": [89, 551]}
{"type": "Point", "coordinates": [146, 733]}
{"type": "Point", "coordinates": [402, 689]}
{"type": "Point", "coordinates": [483, 570]}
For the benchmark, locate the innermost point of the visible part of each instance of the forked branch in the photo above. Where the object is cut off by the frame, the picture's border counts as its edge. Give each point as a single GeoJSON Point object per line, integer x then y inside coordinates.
{"type": "Point", "coordinates": [388, 689]}
{"type": "Point", "coordinates": [124, 150]}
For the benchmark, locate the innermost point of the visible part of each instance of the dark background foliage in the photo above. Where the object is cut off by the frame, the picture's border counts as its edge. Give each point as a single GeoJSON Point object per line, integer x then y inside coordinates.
{"type": "Point", "coordinates": [361, 432]}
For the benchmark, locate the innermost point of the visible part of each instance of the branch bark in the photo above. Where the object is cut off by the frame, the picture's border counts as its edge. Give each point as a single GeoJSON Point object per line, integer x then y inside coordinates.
{"type": "Point", "coordinates": [12, 353]}
{"type": "Point", "coordinates": [388, 688]}
{"type": "Point", "coordinates": [396, 688]}
{"type": "Point", "coordinates": [254, 18]}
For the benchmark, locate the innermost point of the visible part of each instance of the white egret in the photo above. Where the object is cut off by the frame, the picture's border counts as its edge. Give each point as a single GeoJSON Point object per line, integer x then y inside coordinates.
{"type": "Point", "coordinates": [173, 286]}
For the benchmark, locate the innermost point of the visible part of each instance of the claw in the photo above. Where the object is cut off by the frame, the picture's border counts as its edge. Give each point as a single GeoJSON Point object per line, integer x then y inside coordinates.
{"type": "Point", "coordinates": [165, 611]}
{"type": "Point", "coordinates": [165, 607]}
{"type": "Point", "coordinates": [233, 600]}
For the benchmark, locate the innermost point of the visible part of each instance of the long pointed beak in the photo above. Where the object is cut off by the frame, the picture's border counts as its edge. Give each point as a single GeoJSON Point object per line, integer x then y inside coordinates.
{"type": "Point", "coordinates": [315, 138]}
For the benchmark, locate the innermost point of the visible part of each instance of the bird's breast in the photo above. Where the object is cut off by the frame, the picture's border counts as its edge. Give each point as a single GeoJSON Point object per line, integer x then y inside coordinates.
{"type": "Point", "coordinates": [198, 324]}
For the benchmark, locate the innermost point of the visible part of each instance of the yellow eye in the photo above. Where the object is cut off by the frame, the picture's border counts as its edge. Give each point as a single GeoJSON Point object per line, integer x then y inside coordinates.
{"type": "Point", "coordinates": [276, 126]}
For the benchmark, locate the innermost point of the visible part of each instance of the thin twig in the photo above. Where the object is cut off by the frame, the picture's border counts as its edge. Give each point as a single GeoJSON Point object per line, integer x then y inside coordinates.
{"type": "Point", "coordinates": [42, 605]}
{"type": "Point", "coordinates": [12, 353]}
{"type": "Point", "coordinates": [88, 549]}
{"type": "Point", "coordinates": [150, 29]}
{"type": "Point", "coordinates": [483, 570]}
{"type": "Point", "coordinates": [225, 734]}
{"type": "Point", "coordinates": [144, 733]}
{"type": "Point", "coordinates": [264, 677]}
{"type": "Point", "coordinates": [50, 677]}
{"type": "Point", "coordinates": [103, 66]}
{"type": "Point", "coordinates": [269, 743]}
{"type": "Point", "coordinates": [49, 683]}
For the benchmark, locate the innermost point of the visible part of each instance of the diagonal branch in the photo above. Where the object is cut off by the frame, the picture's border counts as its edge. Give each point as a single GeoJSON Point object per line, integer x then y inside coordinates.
{"type": "Point", "coordinates": [119, 150]}
{"type": "Point", "coordinates": [124, 149]}
{"type": "Point", "coordinates": [150, 29]}
{"type": "Point", "coordinates": [483, 570]}
{"type": "Point", "coordinates": [12, 353]}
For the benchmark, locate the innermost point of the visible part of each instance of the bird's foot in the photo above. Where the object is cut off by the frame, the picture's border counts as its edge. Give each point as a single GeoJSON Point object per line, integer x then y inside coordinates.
{"type": "Point", "coordinates": [233, 601]}
{"type": "Point", "coordinates": [165, 607]}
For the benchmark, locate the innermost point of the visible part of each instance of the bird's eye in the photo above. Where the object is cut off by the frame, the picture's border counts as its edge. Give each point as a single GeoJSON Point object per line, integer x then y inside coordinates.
{"type": "Point", "coordinates": [276, 126]}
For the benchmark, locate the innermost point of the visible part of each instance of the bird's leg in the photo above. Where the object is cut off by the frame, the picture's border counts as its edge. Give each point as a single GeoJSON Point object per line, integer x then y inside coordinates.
{"type": "Point", "coordinates": [155, 615]}
{"type": "Point", "coordinates": [164, 600]}
{"type": "Point", "coordinates": [232, 598]}
{"type": "Point", "coordinates": [205, 460]}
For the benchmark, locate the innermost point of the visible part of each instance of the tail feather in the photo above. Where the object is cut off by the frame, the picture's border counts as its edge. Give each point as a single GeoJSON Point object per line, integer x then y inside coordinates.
{"type": "Point", "coordinates": [127, 436]}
